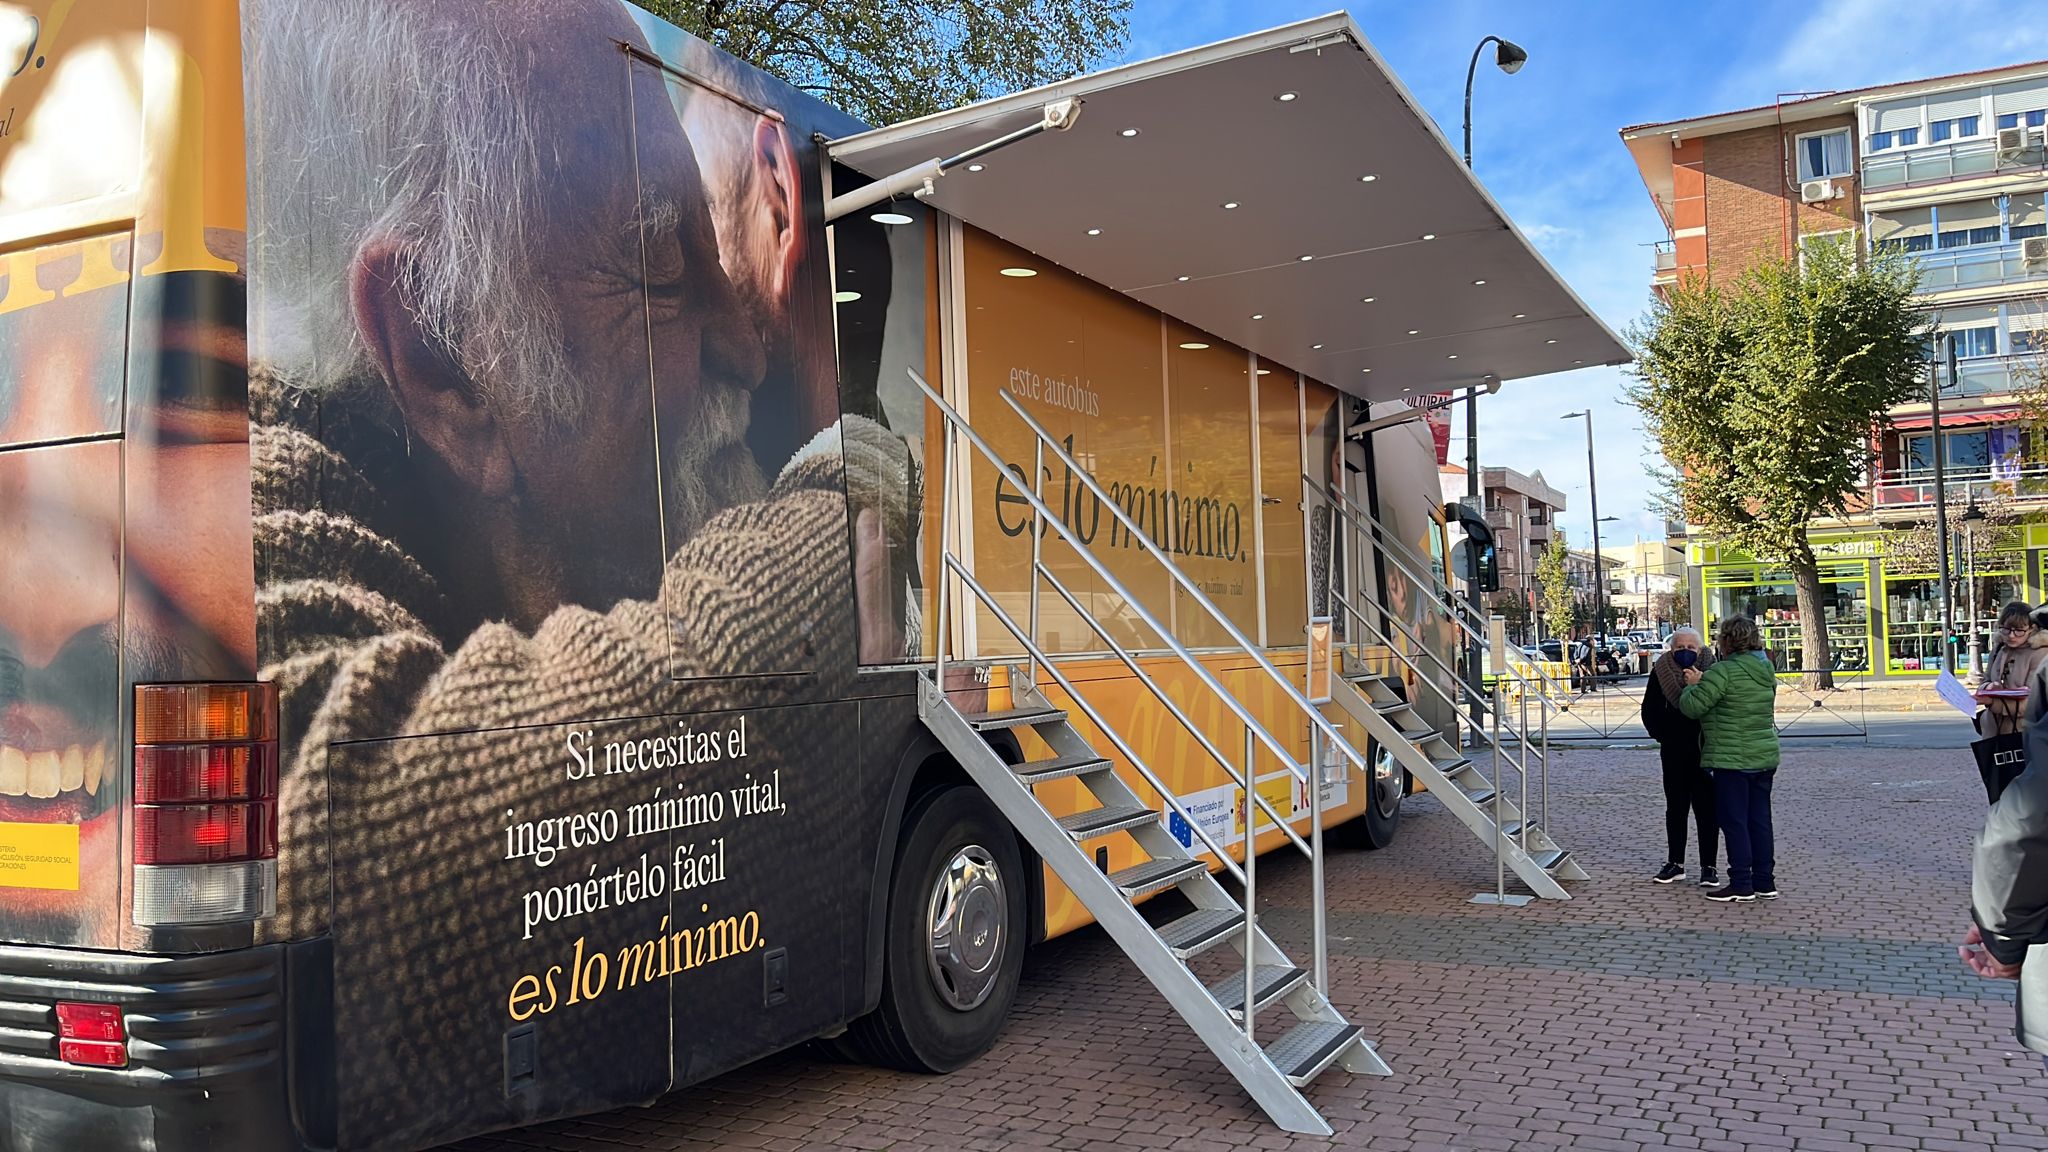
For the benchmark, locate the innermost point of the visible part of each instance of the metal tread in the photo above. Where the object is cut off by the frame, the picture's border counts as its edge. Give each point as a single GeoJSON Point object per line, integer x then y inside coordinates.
{"type": "Point", "coordinates": [1152, 875]}
{"type": "Point", "coordinates": [1480, 796]}
{"type": "Point", "coordinates": [1200, 930]}
{"type": "Point", "coordinates": [1451, 769]}
{"type": "Point", "coordinates": [1012, 718]}
{"type": "Point", "coordinates": [1039, 771]}
{"type": "Point", "coordinates": [1305, 1050]}
{"type": "Point", "coordinates": [1550, 859]}
{"type": "Point", "coordinates": [1271, 982]}
{"type": "Point", "coordinates": [1104, 820]}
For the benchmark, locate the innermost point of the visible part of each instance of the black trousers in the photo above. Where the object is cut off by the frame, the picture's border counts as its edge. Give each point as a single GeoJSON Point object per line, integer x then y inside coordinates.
{"type": "Point", "coordinates": [1744, 805]}
{"type": "Point", "coordinates": [1688, 789]}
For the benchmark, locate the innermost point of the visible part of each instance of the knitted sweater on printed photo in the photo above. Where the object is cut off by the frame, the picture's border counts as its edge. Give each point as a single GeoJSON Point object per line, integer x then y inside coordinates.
{"type": "Point", "coordinates": [354, 632]}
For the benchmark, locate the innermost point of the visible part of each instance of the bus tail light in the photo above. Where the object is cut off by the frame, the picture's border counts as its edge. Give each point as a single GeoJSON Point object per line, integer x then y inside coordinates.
{"type": "Point", "coordinates": [205, 803]}
{"type": "Point", "coordinates": [92, 1034]}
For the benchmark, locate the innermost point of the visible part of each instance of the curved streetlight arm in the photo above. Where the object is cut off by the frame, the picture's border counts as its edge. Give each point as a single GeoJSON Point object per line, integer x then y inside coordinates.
{"type": "Point", "coordinates": [1471, 73]}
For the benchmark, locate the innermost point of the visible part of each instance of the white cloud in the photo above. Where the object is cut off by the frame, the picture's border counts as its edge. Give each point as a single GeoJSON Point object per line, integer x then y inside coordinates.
{"type": "Point", "coordinates": [1841, 44]}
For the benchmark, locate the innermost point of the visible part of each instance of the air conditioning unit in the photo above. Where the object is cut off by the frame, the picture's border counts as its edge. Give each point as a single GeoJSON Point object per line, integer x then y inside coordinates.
{"type": "Point", "coordinates": [2034, 251]}
{"type": "Point", "coordinates": [1817, 191]}
{"type": "Point", "coordinates": [2011, 142]}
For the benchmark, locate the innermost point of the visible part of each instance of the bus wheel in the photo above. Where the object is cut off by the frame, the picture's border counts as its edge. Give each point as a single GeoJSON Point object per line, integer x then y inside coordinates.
{"type": "Point", "coordinates": [955, 937]}
{"type": "Point", "coordinates": [1386, 784]}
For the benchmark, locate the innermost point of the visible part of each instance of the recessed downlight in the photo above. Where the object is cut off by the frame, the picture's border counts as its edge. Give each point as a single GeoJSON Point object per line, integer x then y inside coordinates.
{"type": "Point", "coordinates": [1182, 279]}
{"type": "Point", "coordinates": [1264, 371]}
{"type": "Point", "coordinates": [1194, 345]}
{"type": "Point", "coordinates": [1258, 315]}
{"type": "Point", "coordinates": [1550, 341]}
{"type": "Point", "coordinates": [1288, 97]}
{"type": "Point", "coordinates": [1095, 231]}
{"type": "Point", "coordinates": [1315, 346]}
{"type": "Point", "coordinates": [1129, 132]}
{"type": "Point", "coordinates": [976, 167]}
{"type": "Point", "coordinates": [1479, 283]}
{"type": "Point", "coordinates": [1306, 258]}
{"type": "Point", "coordinates": [1521, 315]}
{"type": "Point", "coordinates": [890, 218]}
{"type": "Point", "coordinates": [1429, 235]}
{"type": "Point", "coordinates": [1415, 331]}
{"type": "Point", "coordinates": [1020, 272]}
{"type": "Point", "coordinates": [1452, 356]}
{"type": "Point", "coordinates": [845, 297]}
{"type": "Point", "coordinates": [1229, 204]}
{"type": "Point", "coordinates": [1367, 299]}
{"type": "Point", "coordinates": [1368, 178]}
{"type": "Point", "coordinates": [1365, 369]}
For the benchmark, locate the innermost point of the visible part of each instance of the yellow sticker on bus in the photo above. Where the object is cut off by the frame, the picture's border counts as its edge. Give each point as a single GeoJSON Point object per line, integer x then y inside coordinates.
{"type": "Point", "coordinates": [39, 856]}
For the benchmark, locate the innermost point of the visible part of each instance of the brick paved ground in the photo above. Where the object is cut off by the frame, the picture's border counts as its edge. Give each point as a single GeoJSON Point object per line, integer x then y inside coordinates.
{"type": "Point", "coordinates": [1633, 1017]}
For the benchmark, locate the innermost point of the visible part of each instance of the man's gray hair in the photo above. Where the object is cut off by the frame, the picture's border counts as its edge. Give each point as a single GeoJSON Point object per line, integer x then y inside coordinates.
{"type": "Point", "coordinates": [382, 118]}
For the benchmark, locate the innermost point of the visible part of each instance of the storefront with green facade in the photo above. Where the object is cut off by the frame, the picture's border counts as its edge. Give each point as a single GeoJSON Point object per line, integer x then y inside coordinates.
{"type": "Point", "coordinates": [1883, 612]}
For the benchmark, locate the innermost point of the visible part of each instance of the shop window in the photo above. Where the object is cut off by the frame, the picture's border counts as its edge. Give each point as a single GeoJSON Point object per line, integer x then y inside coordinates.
{"type": "Point", "coordinates": [1770, 598]}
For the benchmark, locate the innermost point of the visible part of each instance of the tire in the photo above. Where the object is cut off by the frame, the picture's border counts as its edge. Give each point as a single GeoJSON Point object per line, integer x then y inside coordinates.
{"type": "Point", "coordinates": [939, 1015]}
{"type": "Point", "coordinates": [1387, 786]}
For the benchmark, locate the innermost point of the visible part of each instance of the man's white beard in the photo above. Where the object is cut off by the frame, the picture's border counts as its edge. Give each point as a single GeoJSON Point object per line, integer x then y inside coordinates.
{"type": "Point", "coordinates": [709, 466]}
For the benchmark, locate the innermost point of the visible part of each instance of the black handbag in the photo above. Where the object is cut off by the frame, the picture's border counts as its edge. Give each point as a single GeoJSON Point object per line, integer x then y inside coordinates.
{"type": "Point", "coordinates": [2000, 760]}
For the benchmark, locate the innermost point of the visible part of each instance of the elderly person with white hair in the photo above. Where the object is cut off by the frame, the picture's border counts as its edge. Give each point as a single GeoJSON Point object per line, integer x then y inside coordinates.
{"type": "Point", "coordinates": [1687, 787]}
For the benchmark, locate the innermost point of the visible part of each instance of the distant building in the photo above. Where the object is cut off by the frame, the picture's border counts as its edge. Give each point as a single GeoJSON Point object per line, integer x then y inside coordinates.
{"type": "Point", "coordinates": [1642, 577]}
{"type": "Point", "coordinates": [1953, 171]}
{"type": "Point", "coordinates": [1521, 510]}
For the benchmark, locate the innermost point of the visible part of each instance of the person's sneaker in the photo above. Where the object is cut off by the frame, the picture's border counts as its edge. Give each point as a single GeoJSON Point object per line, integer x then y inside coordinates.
{"type": "Point", "coordinates": [1731, 893]}
{"type": "Point", "coordinates": [1709, 878]}
{"type": "Point", "coordinates": [1669, 873]}
{"type": "Point", "coordinates": [1770, 893]}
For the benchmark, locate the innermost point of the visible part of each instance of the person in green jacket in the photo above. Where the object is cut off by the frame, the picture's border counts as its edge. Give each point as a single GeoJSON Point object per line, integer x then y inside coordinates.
{"type": "Point", "coordinates": [1739, 746]}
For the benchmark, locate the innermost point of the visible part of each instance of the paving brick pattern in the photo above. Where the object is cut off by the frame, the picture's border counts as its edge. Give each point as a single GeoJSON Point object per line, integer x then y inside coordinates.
{"type": "Point", "coordinates": [1633, 1017]}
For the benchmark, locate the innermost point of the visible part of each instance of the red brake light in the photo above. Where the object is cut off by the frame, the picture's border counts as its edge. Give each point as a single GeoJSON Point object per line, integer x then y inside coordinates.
{"type": "Point", "coordinates": [79, 1020]}
{"type": "Point", "coordinates": [206, 833]}
{"type": "Point", "coordinates": [196, 773]}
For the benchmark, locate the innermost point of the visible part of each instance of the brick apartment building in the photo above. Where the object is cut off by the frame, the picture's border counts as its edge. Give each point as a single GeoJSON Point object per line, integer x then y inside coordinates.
{"type": "Point", "coordinates": [1521, 510]}
{"type": "Point", "coordinates": [1951, 170]}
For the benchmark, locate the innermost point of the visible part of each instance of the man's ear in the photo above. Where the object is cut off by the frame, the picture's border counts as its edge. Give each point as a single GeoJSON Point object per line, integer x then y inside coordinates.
{"type": "Point", "coordinates": [440, 404]}
{"type": "Point", "coordinates": [781, 185]}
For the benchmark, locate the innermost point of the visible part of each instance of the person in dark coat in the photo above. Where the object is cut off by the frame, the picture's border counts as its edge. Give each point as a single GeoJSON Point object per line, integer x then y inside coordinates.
{"type": "Point", "coordinates": [2009, 883]}
{"type": "Point", "coordinates": [1687, 787]}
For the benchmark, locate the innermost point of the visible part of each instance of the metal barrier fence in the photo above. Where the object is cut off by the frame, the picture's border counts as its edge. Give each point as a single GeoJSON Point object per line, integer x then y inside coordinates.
{"type": "Point", "coordinates": [1606, 709]}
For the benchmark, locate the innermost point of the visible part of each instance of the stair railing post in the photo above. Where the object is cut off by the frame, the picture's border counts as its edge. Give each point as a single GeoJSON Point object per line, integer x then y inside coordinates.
{"type": "Point", "coordinates": [1543, 763]}
{"type": "Point", "coordinates": [1251, 888]}
{"type": "Point", "coordinates": [1522, 750]}
{"type": "Point", "coordinates": [945, 549]}
{"type": "Point", "coordinates": [1500, 857]}
{"type": "Point", "coordinates": [1315, 802]}
{"type": "Point", "coordinates": [1497, 642]}
{"type": "Point", "coordinates": [1037, 543]}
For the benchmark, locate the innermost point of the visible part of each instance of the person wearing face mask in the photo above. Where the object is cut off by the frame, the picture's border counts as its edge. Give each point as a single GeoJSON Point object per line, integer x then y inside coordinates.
{"type": "Point", "coordinates": [1688, 790]}
{"type": "Point", "coordinates": [2022, 650]}
{"type": "Point", "coordinates": [1739, 744]}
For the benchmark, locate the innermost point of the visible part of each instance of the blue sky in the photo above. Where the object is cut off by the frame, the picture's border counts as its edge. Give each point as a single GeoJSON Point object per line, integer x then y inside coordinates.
{"type": "Point", "coordinates": [1545, 142]}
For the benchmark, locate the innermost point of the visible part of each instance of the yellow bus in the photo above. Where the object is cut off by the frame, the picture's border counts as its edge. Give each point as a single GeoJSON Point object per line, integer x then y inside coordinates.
{"type": "Point", "coordinates": [539, 564]}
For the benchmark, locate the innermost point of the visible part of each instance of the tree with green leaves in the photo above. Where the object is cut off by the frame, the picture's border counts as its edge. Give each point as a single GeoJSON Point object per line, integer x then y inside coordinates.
{"type": "Point", "coordinates": [891, 60]}
{"type": "Point", "coordinates": [1763, 395]}
{"type": "Point", "coordinates": [1554, 586]}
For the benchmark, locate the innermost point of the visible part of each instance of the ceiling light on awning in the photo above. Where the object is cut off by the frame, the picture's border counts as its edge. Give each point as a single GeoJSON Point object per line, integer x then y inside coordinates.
{"type": "Point", "coordinates": [1368, 178]}
{"type": "Point", "coordinates": [890, 218]}
{"type": "Point", "coordinates": [1194, 346]}
{"type": "Point", "coordinates": [1415, 331]}
{"type": "Point", "coordinates": [1550, 341]}
{"type": "Point", "coordinates": [1095, 231]}
{"type": "Point", "coordinates": [1306, 259]}
{"type": "Point", "coordinates": [1182, 279]}
{"type": "Point", "coordinates": [1264, 371]}
{"type": "Point", "coordinates": [1258, 315]}
{"type": "Point", "coordinates": [1367, 299]}
{"type": "Point", "coordinates": [976, 167]}
{"type": "Point", "coordinates": [1452, 356]}
{"type": "Point", "coordinates": [1020, 272]}
{"type": "Point", "coordinates": [1288, 97]}
{"type": "Point", "coordinates": [845, 297]}
{"type": "Point", "coordinates": [1521, 315]}
{"type": "Point", "coordinates": [1315, 346]}
{"type": "Point", "coordinates": [1228, 204]}
{"type": "Point", "coordinates": [1365, 369]}
{"type": "Point", "coordinates": [1130, 132]}
{"type": "Point", "coordinates": [1429, 235]}
{"type": "Point", "coordinates": [1479, 283]}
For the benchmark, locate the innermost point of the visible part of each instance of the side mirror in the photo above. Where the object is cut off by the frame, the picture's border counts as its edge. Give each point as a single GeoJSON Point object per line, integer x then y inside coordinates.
{"type": "Point", "coordinates": [1475, 557]}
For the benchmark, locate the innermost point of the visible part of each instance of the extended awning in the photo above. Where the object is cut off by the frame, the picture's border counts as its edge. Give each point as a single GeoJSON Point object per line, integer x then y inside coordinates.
{"type": "Point", "coordinates": [1281, 190]}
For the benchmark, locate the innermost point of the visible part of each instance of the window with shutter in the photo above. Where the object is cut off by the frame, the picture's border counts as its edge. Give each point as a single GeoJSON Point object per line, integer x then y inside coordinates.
{"type": "Point", "coordinates": [2027, 216]}
{"type": "Point", "coordinates": [1907, 229]}
{"type": "Point", "coordinates": [1955, 105]}
{"type": "Point", "coordinates": [1966, 222]}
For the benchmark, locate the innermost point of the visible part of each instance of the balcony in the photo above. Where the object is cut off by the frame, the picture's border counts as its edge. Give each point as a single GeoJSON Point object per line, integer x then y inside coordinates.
{"type": "Point", "coordinates": [1915, 489]}
{"type": "Point", "coordinates": [1956, 161]}
{"type": "Point", "coordinates": [1991, 375]}
{"type": "Point", "coordinates": [1500, 519]}
{"type": "Point", "coordinates": [1665, 269]}
{"type": "Point", "coordinates": [1977, 266]}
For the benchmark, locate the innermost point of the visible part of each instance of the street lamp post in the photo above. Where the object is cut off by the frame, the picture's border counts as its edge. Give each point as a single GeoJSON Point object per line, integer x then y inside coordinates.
{"type": "Point", "coordinates": [1593, 496]}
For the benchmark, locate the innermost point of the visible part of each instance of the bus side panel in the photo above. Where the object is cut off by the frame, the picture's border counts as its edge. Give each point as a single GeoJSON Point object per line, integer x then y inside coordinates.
{"type": "Point", "coordinates": [583, 885]}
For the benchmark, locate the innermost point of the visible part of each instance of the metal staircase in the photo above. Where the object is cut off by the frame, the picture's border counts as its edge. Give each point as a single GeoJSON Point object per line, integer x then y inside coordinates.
{"type": "Point", "coordinates": [1373, 697]}
{"type": "Point", "coordinates": [1274, 1061]}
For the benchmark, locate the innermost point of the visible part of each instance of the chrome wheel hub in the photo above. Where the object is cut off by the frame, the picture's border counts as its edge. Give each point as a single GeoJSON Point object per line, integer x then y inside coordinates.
{"type": "Point", "coordinates": [1386, 781]}
{"type": "Point", "coordinates": [965, 920]}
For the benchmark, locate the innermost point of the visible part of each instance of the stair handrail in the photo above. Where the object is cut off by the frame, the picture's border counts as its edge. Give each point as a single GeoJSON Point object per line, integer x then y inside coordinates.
{"type": "Point", "coordinates": [1096, 718]}
{"type": "Point", "coordinates": [1388, 545]}
{"type": "Point", "coordinates": [1229, 700]}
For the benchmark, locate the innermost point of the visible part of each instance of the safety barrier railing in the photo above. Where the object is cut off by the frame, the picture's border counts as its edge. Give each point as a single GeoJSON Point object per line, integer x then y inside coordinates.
{"type": "Point", "coordinates": [1321, 732]}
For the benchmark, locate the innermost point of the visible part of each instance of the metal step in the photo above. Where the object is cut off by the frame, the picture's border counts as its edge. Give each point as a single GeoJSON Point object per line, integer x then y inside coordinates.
{"type": "Point", "coordinates": [1011, 718]}
{"type": "Point", "coordinates": [1039, 771]}
{"type": "Point", "coordinates": [1104, 820]}
{"type": "Point", "coordinates": [1270, 981]}
{"type": "Point", "coordinates": [1201, 930]}
{"type": "Point", "coordinates": [1451, 768]}
{"type": "Point", "coordinates": [1305, 1050]}
{"type": "Point", "coordinates": [1153, 875]}
{"type": "Point", "coordinates": [1550, 859]}
{"type": "Point", "coordinates": [1481, 795]}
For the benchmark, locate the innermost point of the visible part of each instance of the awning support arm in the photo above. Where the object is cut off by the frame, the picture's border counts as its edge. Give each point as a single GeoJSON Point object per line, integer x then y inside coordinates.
{"type": "Point", "coordinates": [919, 179]}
